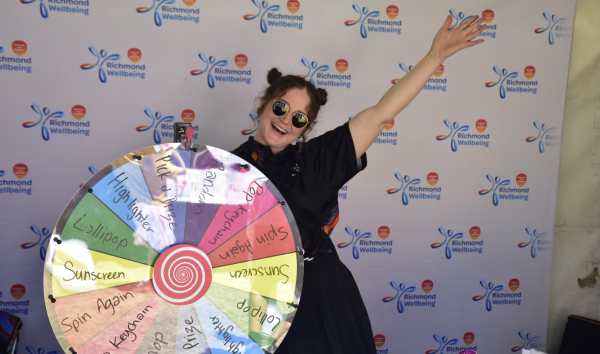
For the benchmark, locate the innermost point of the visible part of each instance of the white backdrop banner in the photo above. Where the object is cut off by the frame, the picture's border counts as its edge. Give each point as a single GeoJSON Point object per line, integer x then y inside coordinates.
{"type": "Point", "coordinates": [449, 230]}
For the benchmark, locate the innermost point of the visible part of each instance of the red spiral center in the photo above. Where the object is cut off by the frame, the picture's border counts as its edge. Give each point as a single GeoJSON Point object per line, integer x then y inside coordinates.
{"type": "Point", "coordinates": [182, 274]}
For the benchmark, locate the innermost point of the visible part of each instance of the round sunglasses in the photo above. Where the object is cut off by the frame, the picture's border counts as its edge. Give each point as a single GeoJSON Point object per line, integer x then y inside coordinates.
{"type": "Point", "coordinates": [280, 108]}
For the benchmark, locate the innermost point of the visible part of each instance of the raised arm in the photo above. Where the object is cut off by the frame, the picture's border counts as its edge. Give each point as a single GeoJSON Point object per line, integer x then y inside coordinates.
{"type": "Point", "coordinates": [366, 125]}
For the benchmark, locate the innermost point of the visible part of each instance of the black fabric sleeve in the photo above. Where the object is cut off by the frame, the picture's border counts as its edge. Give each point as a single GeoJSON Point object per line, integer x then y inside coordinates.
{"type": "Point", "coordinates": [333, 157]}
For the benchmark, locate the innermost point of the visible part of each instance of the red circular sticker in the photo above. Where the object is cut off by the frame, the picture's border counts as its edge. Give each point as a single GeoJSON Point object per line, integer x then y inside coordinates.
{"type": "Point", "coordinates": [182, 274]}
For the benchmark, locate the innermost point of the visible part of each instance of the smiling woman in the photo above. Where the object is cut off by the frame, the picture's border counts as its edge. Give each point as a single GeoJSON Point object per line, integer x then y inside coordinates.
{"type": "Point", "coordinates": [332, 317]}
{"type": "Point", "coordinates": [309, 174]}
{"type": "Point", "coordinates": [288, 110]}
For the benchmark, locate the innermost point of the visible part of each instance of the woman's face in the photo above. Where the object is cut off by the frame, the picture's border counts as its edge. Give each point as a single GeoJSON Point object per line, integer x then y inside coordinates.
{"type": "Point", "coordinates": [277, 132]}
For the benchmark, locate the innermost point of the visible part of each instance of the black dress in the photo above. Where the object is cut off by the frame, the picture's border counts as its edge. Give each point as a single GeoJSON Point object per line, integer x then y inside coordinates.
{"type": "Point", "coordinates": [331, 317]}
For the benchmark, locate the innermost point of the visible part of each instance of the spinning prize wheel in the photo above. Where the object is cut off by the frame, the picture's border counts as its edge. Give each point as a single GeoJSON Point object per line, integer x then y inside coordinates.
{"type": "Point", "coordinates": [170, 251]}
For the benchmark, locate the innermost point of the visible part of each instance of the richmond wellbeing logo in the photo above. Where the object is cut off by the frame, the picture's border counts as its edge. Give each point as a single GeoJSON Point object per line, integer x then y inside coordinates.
{"type": "Point", "coordinates": [494, 295]}
{"type": "Point", "coordinates": [505, 83]}
{"type": "Point", "coordinates": [555, 28]}
{"type": "Point", "coordinates": [459, 137]}
{"type": "Point", "coordinates": [157, 120]}
{"type": "Point", "coordinates": [45, 114]}
{"type": "Point", "coordinates": [108, 65]}
{"type": "Point", "coordinates": [51, 122]}
{"type": "Point", "coordinates": [162, 11]}
{"type": "Point", "coordinates": [356, 237]}
{"type": "Point", "coordinates": [500, 189]}
{"type": "Point", "coordinates": [405, 298]}
{"type": "Point", "coordinates": [319, 76]}
{"type": "Point", "coordinates": [459, 18]}
{"type": "Point", "coordinates": [529, 342]}
{"type": "Point", "coordinates": [161, 125]}
{"type": "Point", "coordinates": [449, 236]}
{"type": "Point", "coordinates": [410, 190]}
{"type": "Point", "coordinates": [270, 16]}
{"type": "Point", "coordinates": [368, 21]}
{"type": "Point", "coordinates": [19, 63]}
{"type": "Point", "coordinates": [360, 244]}
{"type": "Point", "coordinates": [64, 6]}
{"type": "Point", "coordinates": [537, 242]}
{"type": "Point", "coordinates": [447, 345]}
{"type": "Point", "coordinates": [214, 71]}
{"type": "Point", "coordinates": [19, 186]}
{"type": "Point", "coordinates": [42, 241]}
{"type": "Point", "coordinates": [453, 243]}
{"type": "Point", "coordinates": [545, 137]}
{"type": "Point", "coordinates": [433, 84]}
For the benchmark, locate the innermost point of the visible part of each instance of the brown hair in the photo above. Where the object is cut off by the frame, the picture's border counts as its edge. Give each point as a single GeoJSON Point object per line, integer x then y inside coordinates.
{"type": "Point", "coordinates": [279, 85]}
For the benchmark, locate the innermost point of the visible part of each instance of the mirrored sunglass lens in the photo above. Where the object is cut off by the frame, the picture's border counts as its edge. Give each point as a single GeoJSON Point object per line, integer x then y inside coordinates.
{"type": "Point", "coordinates": [280, 108]}
{"type": "Point", "coordinates": [299, 120]}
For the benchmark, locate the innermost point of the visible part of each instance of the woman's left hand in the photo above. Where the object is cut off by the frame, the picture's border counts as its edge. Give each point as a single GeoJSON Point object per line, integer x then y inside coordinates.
{"type": "Point", "coordinates": [447, 42]}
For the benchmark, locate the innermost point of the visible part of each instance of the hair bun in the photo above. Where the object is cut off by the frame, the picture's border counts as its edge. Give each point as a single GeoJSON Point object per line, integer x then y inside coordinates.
{"type": "Point", "coordinates": [273, 75]}
{"type": "Point", "coordinates": [322, 96]}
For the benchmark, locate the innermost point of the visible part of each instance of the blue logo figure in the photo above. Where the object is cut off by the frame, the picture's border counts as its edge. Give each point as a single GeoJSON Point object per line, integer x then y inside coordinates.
{"type": "Point", "coordinates": [405, 183]}
{"type": "Point", "coordinates": [210, 62]}
{"type": "Point", "coordinates": [534, 237]}
{"type": "Point", "coordinates": [155, 6]}
{"type": "Point", "coordinates": [1, 50]}
{"type": "Point", "coordinates": [444, 342]}
{"type": "Point", "coordinates": [496, 182]}
{"type": "Point", "coordinates": [313, 68]}
{"type": "Point", "coordinates": [45, 234]}
{"type": "Point", "coordinates": [43, 8]}
{"type": "Point", "coordinates": [45, 114]}
{"type": "Point", "coordinates": [541, 135]}
{"type": "Point", "coordinates": [503, 76]}
{"type": "Point", "coordinates": [489, 289]}
{"type": "Point", "coordinates": [100, 56]}
{"type": "Point", "coordinates": [253, 116]}
{"type": "Point", "coordinates": [156, 120]}
{"type": "Point", "coordinates": [263, 8]}
{"type": "Point", "coordinates": [2, 173]}
{"type": "Point", "coordinates": [459, 18]}
{"type": "Point", "coordinates": [405, 68]}
{"type": "Point", "coordinates": [448, 237]}
{"type": "Point", "coordinates": [31, 350]}
{"type": "Point", "coordinates": [356, 235]}
{"type": "Point", "coordinates": [552, 23]}
{"type": "Point", "coordinates": [400, 290]}
{"type": "Point", "coordinates": [528, 340]}
{"type": "Point", "coordinates": [454, 128]}
{"type": "Point", "coordinates": [364, 14]}
{"type": "Point", "coordinates": [92, 170]}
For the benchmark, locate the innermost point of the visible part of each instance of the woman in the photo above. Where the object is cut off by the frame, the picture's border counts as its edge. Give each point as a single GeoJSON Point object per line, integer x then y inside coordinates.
{"type": "Point", "coordinates": [331, 317]}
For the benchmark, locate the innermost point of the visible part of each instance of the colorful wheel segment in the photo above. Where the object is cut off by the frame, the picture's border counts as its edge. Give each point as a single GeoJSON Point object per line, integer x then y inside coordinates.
{"type": "Point", "coordinates": [172, 251]}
